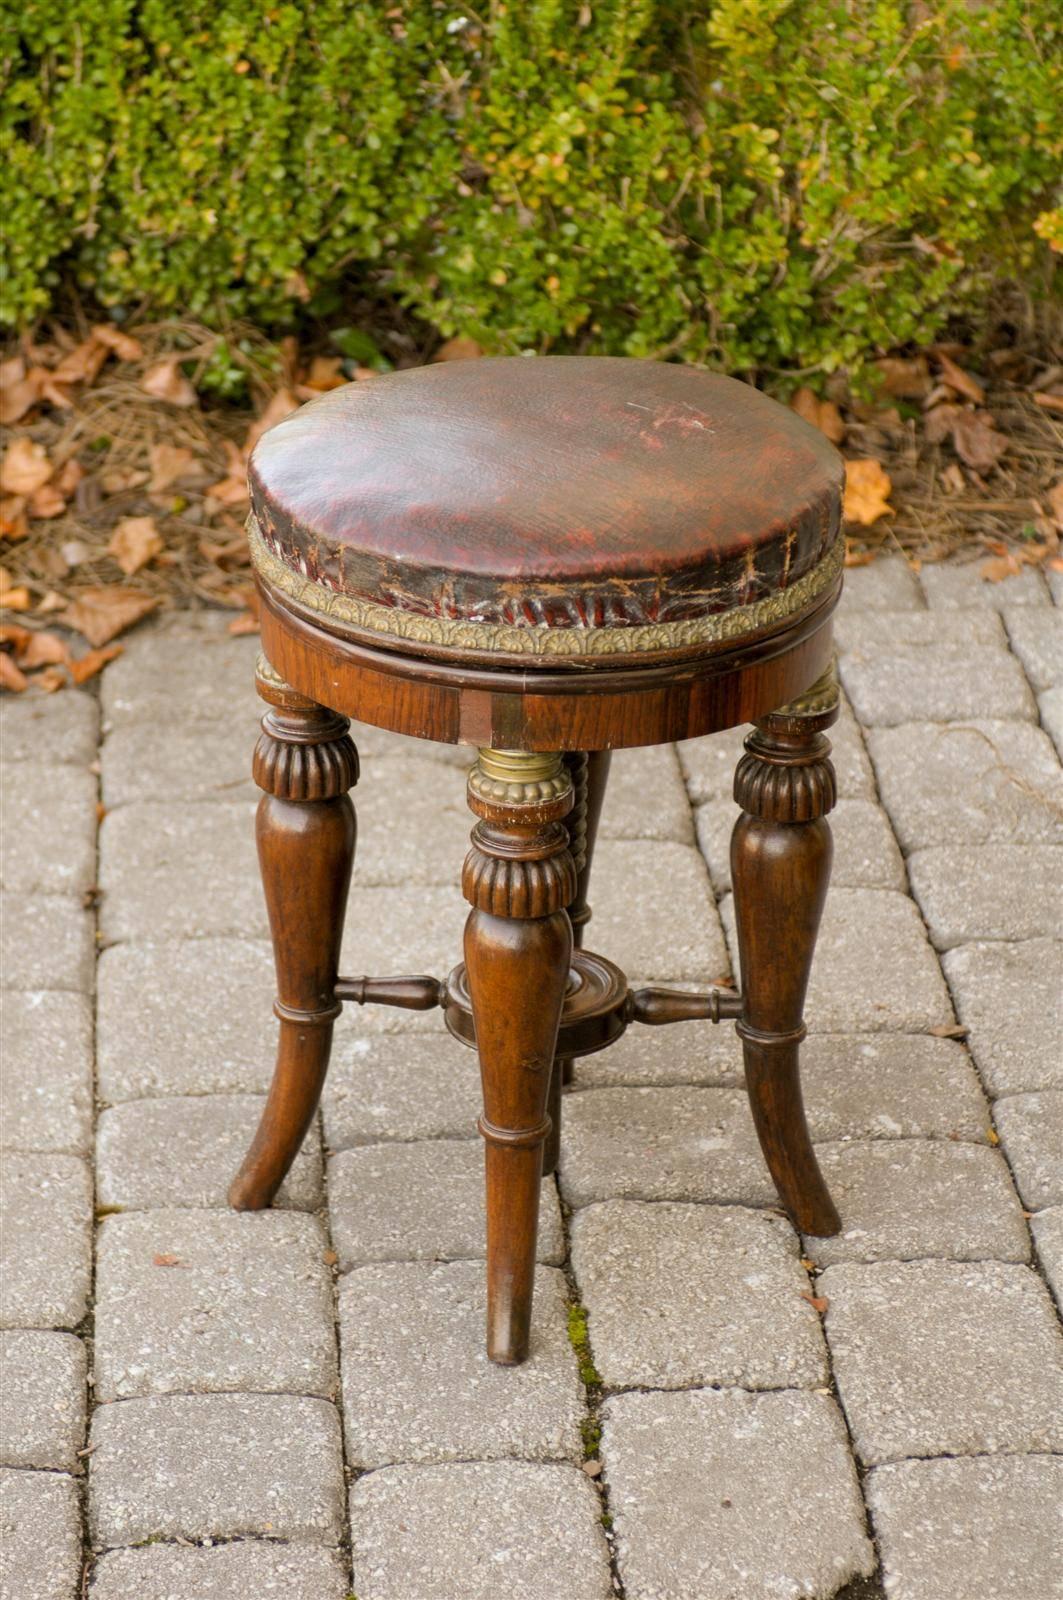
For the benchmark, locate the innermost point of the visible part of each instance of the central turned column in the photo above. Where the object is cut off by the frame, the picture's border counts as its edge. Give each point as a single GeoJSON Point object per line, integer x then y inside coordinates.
{"type": "Point", "coordinates": [518, 877]}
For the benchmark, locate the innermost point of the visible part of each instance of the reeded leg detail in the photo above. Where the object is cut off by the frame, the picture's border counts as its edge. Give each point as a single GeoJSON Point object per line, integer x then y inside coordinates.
{"type": "Point", "coordinates": [780, 864]}
{"type": "Point", "coordinates": [305, 763]}
{"type": "Point", "coordinates": [519, 876]}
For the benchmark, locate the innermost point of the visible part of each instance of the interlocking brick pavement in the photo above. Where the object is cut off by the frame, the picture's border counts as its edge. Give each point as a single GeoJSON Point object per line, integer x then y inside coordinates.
{"type": "Point", "coordinates": [298, 1405]}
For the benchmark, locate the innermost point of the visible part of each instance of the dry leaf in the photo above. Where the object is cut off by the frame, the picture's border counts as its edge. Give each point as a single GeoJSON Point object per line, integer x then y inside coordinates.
{"type": "Point", "coordinates": [325, 373]}
{"type": "Point", "coordinates": [10, 676]}
{"type": "Point", "coordinates": [51, 602]}
{"type": "Point", "coordinates": [99, 614]}
{"type": "Point", "coordinates": [18, 391]}
{"type": "Point", "coordinates": [959, 380]}
{"type": "Point", "coordinates": [51, 679]}
{"type": "Point", "coordinates": [25, 467]}
{"type": "Point", "coordinates": [164, 1259]}
{"type": "Point", "coordinates": [867, 488]}
{"type": "Point", "coordinates": [818, 1302]}
{"type": "Point", "coordinates": [992, 1136]}
{"type": "Point", "coordinates": [166, 381]}
{"type": "Point", "coordinates": [93, 661]}
{"type": "Point", "coordinates": [235, 553]}
{"type": "Point", "coordinates": [232, 489]}
{"type": "Point", "coordinates": [822, 414]}
{"type": "Point", "coordinates": [1001, 567]}
{"type": "Point", "coordinates": [949, 1030]}
{"type": "Point", "coordinates": [82, 364]}
{"type": "Point", "coordinates": [977, 440]}
{"type": "Point", "coordinates": [1050, 402]}
{"type": "Point", "coordinates": [1055, 504]}
{"type": "Point", "coordinates": [13, 522]}
{"type": "Point", "coordinates": [123, 345]}
{"type": "Point", "coordinates": [952, 479]}
{"type": "Point", "coordinates": [69, 476]}
{"type": "Point", "coordinates": [904, 379]}
{"type": "Point", "coordinates": [43, 649]}
{"type": "Point", "coordinates": [939, 422]}
{"type": "Point", "coordinates": [281, 406]}
{"type": "Point", "coordinates": [133, 543]}
{"type": "Point", "coordinates": [169, 463]}
{"type": "Point", "coordinates": [116, 480]}
{"type": "Point", "coordinates": [459, 349]}
{"type": "Point", "coordinates": [18, 599]}
{"type": "Point", "coordinates": [46, 502]}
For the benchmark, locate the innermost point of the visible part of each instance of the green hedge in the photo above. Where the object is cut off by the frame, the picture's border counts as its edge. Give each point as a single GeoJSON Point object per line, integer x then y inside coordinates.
{"type": "Point", "coordinates": [758, 183]}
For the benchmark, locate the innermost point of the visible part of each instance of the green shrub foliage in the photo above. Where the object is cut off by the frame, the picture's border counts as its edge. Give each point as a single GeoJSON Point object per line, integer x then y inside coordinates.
{"type": "Point", "coordinates": [755, 183]}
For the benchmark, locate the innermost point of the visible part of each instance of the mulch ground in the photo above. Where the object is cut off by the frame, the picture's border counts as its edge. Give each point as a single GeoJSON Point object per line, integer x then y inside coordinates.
{"type": "Point", "coordinates": [124, 452]}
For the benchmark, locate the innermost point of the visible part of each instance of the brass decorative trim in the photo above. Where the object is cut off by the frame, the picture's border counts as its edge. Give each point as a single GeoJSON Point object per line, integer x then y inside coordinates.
{"type": "Point", "coordinates": [518, 777]}
{"type": "Point", "coordinates": [540, 639]}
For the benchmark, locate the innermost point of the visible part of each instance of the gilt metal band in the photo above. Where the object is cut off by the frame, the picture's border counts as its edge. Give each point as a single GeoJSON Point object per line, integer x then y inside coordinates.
{"type": "Point", "coordinates": [735, 621]}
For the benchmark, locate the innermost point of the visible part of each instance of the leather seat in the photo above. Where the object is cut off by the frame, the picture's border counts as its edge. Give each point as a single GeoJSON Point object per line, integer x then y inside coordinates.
{"type": "Point", "coordinates": [555, 506]}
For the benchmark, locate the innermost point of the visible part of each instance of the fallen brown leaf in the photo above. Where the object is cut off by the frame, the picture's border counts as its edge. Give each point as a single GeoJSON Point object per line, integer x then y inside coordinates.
{"type": "Point", "coordinates": [166, 381]}
{"type": "Point", "coordinates": [116, 480]}
{"type": "Point", "coordinates": [169, 463]}
{"type": "Point", "coordinates": [1055, 504]}
{"type": "Point", "coordinates": [949, 1030]}
{"type": "Point", "coordinates": [10, 676]}
{"type": "Point", "coordinates": [867, 488]}
{"type": "Point", "coordinates": [904, 379]}
{"type": "Point", "coordinates": [43, 649]}
{"type": "Point", "coordinates": [46, 502]}
{"type": "Point", "coordinates": [82, 364]}
{"type": "Point", "coordinates": [229, 556]}
{"type": "Point", "coordinates": [123, 345]}
{"type": "Point", "coordinates": [958, 379]}
{"type": "Point", "coordinates": [18, 599]}
{"type": "Point", "coordinates": [50, 680]}
{"type": "Point", "coordinates": [93, 661]}
{"type": "Point", "coordinates": [818, 1302]}
{"type": "Point", "coordinates": [232, 489]}
{"type": "Point", "coordinates": [99, 614]}
{"type": "Point", "coordinates": [977, 441]}
{"type": "Point", "coordinates": [164, 1259]}
{"type": "Point", "coordinates": [1050, 402]}
{"type": "Point", "coordinates": [460, 348]}
{"type": "Point", "coordinates": [325, 372]}
{"type": "Point", "coordinates": [13, 521]}
{"type": "Point", "coordinates": [133, 543]}
{"type": "Point", "coordinates": [1001, 567]}
{"type": "Point", "coordinates": [69, 476]}
{"type": "Point", "coordinates": [18, 391]}
{"type": "Point", "coordinates": [25, 467]}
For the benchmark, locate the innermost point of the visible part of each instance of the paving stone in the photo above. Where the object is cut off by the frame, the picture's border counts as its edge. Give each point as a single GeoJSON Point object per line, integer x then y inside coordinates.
{"type": "Point", "coordinates": [46, 1244]}
{"type": "Point", "coordinates": [183, 1016]}
{"type": "Point", "coordinates": [865, 851]}
{"type": "Point", "coordinates": [1010, 997]}
{"type": "Point", "coordinates": [948, 584]}
{"type": "Point", "coordinates": [676, 933]}
{"type": "Point", "coordinates": [46, 1072]}
{"type": "Point", "coordinates": [42, 1400]}
{"type": "Point", "coordinates": [472, 1530]}
{"type": "Point", "coordinates": [400, 1087]}
{"type": "Point", "coordinates": [968, 783]}
{"type": "Point", "coordinates": [661, 1144]}
{"type": "Point", "coordinates": [40, 1537]}
{"type": "Point", "coordinates": [887, 633]}
{"type": "Point", "coordinates": [413, 824]}
{"type": "Point", "coordinates": [646, 797]}
{"type": "Point", "coordinates": [1050, 708]}
{"type": "Point", "coordinates": [49, 834]}
{"type": "Point", "coordinates": [873, 969]}
{"type": "Point", "coordinates": [1031, 1130]}
{"type": "Point", "coordinates": [938, 683]}
{"type": "Point", "coordinates": [174, 760]}
{"type": "Point", "coordinates": [420, 1202]}
{"type": "Point", "coordinates": [206, 1302]}
{"type": "Point", "coordinates": [417, 1384]}
{"type": "Point", "coordinates": [1048, 1237]}
{"type": "Point", "coordinates": [186, 871]}
{"type": "Point", "coordinates": [891, 1086]}
{"type": "Point", "coordinates": [684, 1052]}
{"type": "Point", "coordinates": [215, 1466]}
{"type": "Point", "coordinates": [402, 930]}
{"type": "Point", "coordinates": [709, 764]}
{"type": "Point", "coordinates": [966, 1208]}
{"type": "Point", "coordinates": [944, 1358]}
{"type": "Point", "coordinates": [241, 1571]}
{"type": "Point", "coordinates": [681, 1295]}
{"type": "Point", "coordinates": [375, 744]}
{"type": "Point", "coordinates": [987, 1529]}
{"type": "Point", "coordinates": [1009, 892]}
{"type": "Point", "coordinates": [695, 1480]}
{"type": "Point", "coordinates": [1036, 636]}
{"type": "Point", "coordinates": [185, 1152]}
{"type": "Point", "coordinates": [49, 942]}
{"type": "Point", "coordinates": [192, 675]}
{"type": "Point", "coordinates": [56, 727]}
{"type": "Point", "coordinates": [887, 584]}
{"type": "Point", "coordinates": [1054, 578]}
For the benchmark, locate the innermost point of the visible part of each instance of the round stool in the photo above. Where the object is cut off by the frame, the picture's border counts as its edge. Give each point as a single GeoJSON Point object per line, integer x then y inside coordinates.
{"type": "Point", "coordinates": [550, 559]}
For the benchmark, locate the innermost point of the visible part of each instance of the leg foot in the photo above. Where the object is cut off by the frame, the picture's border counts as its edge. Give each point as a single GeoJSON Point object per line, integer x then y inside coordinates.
{"type": "Point", "coordinates": [780, 863]}
{"type": "Point", "coordinates": [306, 834]}
{"type": "Point", "coordinates": [518, 877]}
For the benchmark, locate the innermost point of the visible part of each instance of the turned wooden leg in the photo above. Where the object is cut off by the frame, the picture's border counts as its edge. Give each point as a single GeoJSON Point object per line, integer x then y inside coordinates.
{"type": "Point", "coordinates": [518, 877]}
{"type": "Point", "coordinates": [305, 763]}
{"type": "Point", "coordinates": [590, 774]}
{"type": "Point", "coordinates": [780, 866]}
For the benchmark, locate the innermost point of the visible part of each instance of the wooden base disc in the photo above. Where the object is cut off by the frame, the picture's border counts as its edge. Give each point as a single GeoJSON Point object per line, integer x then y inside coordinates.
{"type": "Point", "coordinates": [595, 1012]}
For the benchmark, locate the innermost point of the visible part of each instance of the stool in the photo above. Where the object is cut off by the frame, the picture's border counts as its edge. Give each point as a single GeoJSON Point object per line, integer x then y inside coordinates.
{"type": "Point", "coordinates": [549, 559]}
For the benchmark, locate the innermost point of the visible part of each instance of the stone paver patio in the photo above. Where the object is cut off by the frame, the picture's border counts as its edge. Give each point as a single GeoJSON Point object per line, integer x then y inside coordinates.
{"type": "Point", "coordinates": [296, 1404]}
